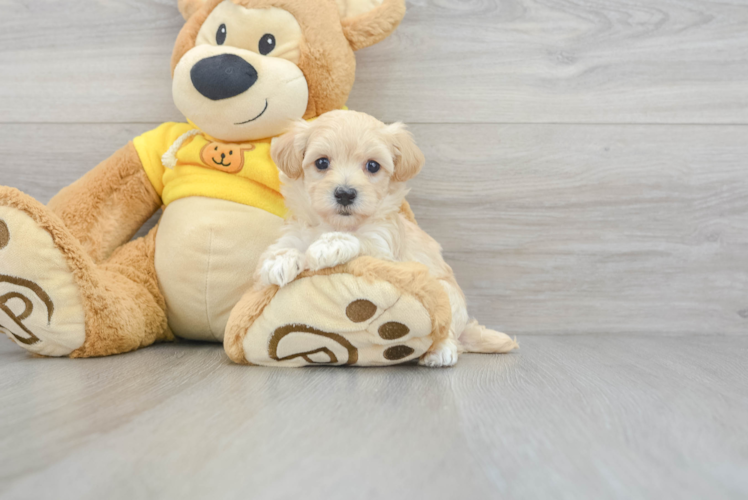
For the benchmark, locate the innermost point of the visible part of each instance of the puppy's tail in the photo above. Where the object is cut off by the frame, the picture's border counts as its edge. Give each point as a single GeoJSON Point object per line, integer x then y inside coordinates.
{"type": "Point", "coordinates": [478, 338]}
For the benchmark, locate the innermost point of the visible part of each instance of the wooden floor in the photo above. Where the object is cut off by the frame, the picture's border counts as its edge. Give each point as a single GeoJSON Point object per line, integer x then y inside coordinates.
{"type": "Point", "coordinates": [588, 177]}
{"type": "Point", "coordinates": [577, 417]}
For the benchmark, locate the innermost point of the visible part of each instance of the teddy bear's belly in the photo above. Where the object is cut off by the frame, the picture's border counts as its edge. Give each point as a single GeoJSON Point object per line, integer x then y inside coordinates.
{"type": "Point", "coordinates": [206, 254]}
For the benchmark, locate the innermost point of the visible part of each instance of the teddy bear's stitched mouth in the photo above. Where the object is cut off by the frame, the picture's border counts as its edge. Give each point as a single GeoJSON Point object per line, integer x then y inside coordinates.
{"type": "Point", "coordinates": [256, 117]}
{"type": "Point", "coordinates": [221, 163]}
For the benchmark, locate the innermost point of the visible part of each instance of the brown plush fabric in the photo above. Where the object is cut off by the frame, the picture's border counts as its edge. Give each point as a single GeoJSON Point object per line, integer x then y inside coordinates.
{"type": "Point", "coordinates": [123, 306]}
{"type": "Point", "coordinates": [90, 220]}
{"type": "Point", "coordinates": [188, 34]}
{"type": "Point", "coordinates": [107, 206]}
{"type": "Point", "coordinates": [374, 26]}
{"type": "Point", "coordinates": [409, 278]}
{"type": "Point", "coordinates": [243, 316]}
{"type": "Point", "coordinates": [188, 7]}
{"type": "Point", "coordinates": [327, 59]}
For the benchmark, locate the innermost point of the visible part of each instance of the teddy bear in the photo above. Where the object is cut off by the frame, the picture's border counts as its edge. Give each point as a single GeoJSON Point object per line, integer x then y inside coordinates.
{"type": "Point", "coordinates": [73, 282]}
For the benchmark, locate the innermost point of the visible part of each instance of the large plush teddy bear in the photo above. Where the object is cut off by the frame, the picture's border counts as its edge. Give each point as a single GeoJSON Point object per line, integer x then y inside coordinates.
{"type": "Point", "coordinates": [73, 284]}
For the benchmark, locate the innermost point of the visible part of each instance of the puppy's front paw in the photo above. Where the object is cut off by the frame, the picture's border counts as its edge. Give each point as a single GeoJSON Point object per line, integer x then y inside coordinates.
{"type": "Point", "coordinates": [283, 268]}
{"type": "Point", "coordinates": [332, 249]}
{"type": "Point", "coordinates": [441, 355]}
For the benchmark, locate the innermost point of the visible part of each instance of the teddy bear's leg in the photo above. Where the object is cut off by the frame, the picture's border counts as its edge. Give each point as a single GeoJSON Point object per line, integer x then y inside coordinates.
{"type": "Point", "coordinates": [107, 206]}
{"type": "Point", "coordinates": [367, 312]}
{"type": "Point", "coordinates": [55, 301]}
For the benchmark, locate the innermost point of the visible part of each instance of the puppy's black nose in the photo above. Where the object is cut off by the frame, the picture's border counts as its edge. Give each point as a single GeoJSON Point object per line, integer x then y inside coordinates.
{"type": "Point", "coordinates": [345, 196]}
{"type": "Point", "coordinates": [223, 76]}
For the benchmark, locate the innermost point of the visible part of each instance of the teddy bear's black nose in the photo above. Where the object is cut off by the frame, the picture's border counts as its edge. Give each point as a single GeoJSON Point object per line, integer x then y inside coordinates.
{"type": "Point", "coordinates": [223, 76]}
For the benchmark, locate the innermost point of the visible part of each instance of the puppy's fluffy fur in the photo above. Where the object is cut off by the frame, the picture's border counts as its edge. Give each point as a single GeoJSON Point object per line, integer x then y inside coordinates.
{"type": "Point", "coordinates": [323, 232]}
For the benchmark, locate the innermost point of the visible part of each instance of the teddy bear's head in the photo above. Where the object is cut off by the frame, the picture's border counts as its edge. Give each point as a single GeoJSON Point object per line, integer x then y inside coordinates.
{"type": "Point", "coordinates": [246, 69]}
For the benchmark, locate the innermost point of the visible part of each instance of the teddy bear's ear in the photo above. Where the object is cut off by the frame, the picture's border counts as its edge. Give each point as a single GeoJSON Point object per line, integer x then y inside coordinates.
{"type": "Point", "coordinates": [287, 150]}
{"type": "Point", "coordinates": [409, 158]}
{"type": "Point", "coordinates": [366, 22]}
{"type": "Point", "coordinates": [189, 7]}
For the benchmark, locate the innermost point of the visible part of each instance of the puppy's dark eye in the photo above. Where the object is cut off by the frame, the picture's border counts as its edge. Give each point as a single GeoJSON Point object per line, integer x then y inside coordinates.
{"type": "Point", "coordinates": [322, 164]}
{"type": "Point", "coordinates": [373, 167]}
{"type": "Point", "coordinates": [221, 35]}
{"type": "Point", "coordinates": [267, 44]}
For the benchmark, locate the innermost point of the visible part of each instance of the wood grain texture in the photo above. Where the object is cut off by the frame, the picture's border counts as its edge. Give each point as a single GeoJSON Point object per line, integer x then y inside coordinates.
{"type": "Point", "coordinates": [616, 229]}
{"type": "Point", "coordinates": [633, 231]}
{"type": "Point", "coordinates": [578, 417]}
{"type": "Point", "coordinates": [550, 228]}
{"type": "Point", "coordinates": [466, 61]}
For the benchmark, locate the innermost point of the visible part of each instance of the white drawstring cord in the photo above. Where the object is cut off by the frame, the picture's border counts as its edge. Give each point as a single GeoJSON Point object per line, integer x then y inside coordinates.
{"type": "Point", "coordinates": [169, 159]}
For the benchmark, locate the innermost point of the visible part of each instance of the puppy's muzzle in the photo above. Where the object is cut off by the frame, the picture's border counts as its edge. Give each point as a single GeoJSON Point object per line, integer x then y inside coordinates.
{"type": "Point", "coordinates": [345, 196]}
{"type": "Point", "coordinates": [223, 76]}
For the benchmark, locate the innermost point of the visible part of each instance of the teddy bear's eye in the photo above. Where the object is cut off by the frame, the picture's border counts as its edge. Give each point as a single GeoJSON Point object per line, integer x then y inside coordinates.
{"type": "Point", "coordinates": [221, 35]}
{"type": "Point", "coordinates": [267, 44]}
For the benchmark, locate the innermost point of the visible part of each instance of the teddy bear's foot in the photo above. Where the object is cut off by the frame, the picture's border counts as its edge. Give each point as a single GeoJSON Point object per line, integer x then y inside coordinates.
{"type": "Point", "coordinates": [55, 301]}
{"type": "Point", "coordinates": [365, 313]}
{"type": "Point", "coordinates": [40, 303]}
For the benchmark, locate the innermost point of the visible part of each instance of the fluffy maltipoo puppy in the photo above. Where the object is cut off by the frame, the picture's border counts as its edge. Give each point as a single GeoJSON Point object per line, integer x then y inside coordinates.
{"type": "Point", "coordinates": [343, 180]}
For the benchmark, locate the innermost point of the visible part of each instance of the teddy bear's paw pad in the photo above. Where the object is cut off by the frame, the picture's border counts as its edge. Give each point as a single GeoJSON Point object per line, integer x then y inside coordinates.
{"type": "Point", "coordinates": [339, 320]}
{"type": "Point", "coordinates": [40, 304]}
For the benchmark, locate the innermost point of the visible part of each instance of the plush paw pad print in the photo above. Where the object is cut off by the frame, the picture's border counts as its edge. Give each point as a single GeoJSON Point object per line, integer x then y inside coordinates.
{"type": "Point", "coordinates": [40, 309]}
{"type": "Point", "coordinates": [339, 320]}
{"type": "Point", "coordinates": [19, 299]}
{"type": "Point", "coordinates": [4, 234]}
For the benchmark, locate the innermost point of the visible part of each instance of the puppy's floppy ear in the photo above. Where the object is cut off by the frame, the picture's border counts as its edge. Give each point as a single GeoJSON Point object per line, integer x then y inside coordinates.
{"type": "Point", "coordinates": [189, 7]}
{"type": "Point", "coordinates": [408, 157]}
{"type": "Point", "coordinates": [287, 150]}
{"type": "Point", "coordinates": [366, 22]}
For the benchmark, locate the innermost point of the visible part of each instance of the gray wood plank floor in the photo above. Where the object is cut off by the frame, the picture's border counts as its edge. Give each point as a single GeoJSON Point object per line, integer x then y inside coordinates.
{"type": "Point", "coordinates": [566, 417]}
{"type": "Point", "coordinates": [587, 178]}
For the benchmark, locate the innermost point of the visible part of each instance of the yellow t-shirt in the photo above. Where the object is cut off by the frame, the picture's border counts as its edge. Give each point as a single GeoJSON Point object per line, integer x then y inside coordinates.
{"type": "Point", "coordinates": [198, 165]}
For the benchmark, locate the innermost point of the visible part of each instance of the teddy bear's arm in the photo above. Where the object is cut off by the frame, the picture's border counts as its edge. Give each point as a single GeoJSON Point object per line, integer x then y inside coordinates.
{"type": "Point", "coordinates": [107, 206]}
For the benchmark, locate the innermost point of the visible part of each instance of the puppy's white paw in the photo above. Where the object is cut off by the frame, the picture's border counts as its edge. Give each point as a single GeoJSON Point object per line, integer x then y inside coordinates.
{"type": "Point", "coordinates": [332, 249]}
{"type": "Point", "coordinates": [444, 354]}
{"type": "Point", "coordinates": [283, 268]}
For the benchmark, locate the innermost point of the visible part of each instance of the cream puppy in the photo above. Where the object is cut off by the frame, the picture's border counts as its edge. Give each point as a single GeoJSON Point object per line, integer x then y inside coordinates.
{"type": "Point", "coordinates": [343, 180]}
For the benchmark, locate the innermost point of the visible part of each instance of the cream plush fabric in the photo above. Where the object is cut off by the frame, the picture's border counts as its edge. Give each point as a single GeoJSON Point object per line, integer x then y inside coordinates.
{"type": "Point", "coordinates": [343, 321]}
{"type": "Point", "coordinates": [51, 325]}
{"type": "Point", "coordinates": [366, 312]}
{"type": "Point", "coordinates": [83, 288]}
{"type": "Point", "coordinates": [204, 279]}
